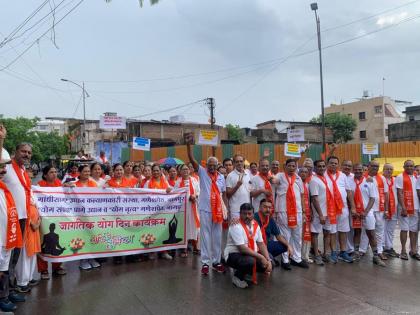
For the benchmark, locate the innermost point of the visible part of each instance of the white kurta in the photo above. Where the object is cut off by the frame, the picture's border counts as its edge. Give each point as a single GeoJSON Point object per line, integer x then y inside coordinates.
{"type": "Point", "coordinates": [192, 231]}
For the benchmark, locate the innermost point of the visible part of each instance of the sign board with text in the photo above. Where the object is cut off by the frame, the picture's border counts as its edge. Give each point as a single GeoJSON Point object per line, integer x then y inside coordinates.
{"type": "Point", "coordinates": [142, 144]}
{"type": "Point", "coordinates": [292, 150]}
{"type": "Point", "coordinates": [370, 148]}
{"type": "Point", "coordinates": [208, 137]}
{"type": "Point", "coordinates": [295, 135]}
{"type": "Point", "coordinates": [112, 122]}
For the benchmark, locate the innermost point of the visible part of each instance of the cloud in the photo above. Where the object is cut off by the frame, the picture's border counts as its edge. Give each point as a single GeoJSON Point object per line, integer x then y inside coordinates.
{"type": "Point", "coordinates": [391, 19]}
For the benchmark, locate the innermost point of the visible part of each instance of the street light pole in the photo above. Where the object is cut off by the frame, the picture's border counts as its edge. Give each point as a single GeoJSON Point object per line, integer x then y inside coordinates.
{"type": "Point", "coordinates": [314, 7]}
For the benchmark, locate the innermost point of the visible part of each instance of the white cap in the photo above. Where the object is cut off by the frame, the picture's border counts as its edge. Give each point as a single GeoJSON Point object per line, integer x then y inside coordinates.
{"type": "Point", "coordinates": [5, 157]}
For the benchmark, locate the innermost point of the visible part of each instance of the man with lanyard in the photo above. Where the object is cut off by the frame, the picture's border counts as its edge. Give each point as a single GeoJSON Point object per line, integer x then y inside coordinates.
{"type": "Point", "coordinates": [270, 231]}
{"type": "Point", "coordinates": [364, 194]}
{"type": "Point", "coordinates": [261, 185]}
{"type": "Point", "coordinates": [212, 190]}
{"type": "Point", "coordinates": [323, 214]}
{"type": "Point", "coordinates": [238, 187]}
{"type": "Point", "coordinates": [337, 183]}
{"type": "Point", "coordinates": [245, 250]}
{"type": "Point", "coordinates": [19, 184]}
{"type": "Point", "coordinates": [391, 218]}
{"type": "Point", "coordinates": [408, 202]}
{"type": "Point", "coordinates": [288, 212]}
{"type": "Point", "coordinates": [380, 208]}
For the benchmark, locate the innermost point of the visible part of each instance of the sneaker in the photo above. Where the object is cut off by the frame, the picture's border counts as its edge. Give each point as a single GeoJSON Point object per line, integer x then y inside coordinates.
{"type": "Point", "coordinates": [94, 263]}
{"type": "Point", "coordinates": [334, 257]}
{"type": "Point", "coordinates": [219, 268]}
{"type": "Point", "coordinates": [301, 264]}
{"type": "Point", "coordinates": [239, 283]}
{"type": "Point", "coordinates": [23, 289]}
{"type": "Point", "coordinates": [84, 265]}
{"type": "Point", "coordinates": [166, 256]}
{"type": "Point", "coordinates": [356, 256]}
{"type": "Point", "coordinates": [318, 261]}
{"type": "Point", "coordinates": [345, 257]}
{"type": "Point", "coordinates": [16, 297]}
{"type": "Point", "coordinates": [328, 259]}
{"type": "Point", "coordinates": [378, 261]}
{"type": "Point", "coordinates": [205, 270]}
{"type": "Point", "coordinates": [33, 283]}
{"type": "Point", "coordinates": [391, 253]}
{"type": "Point", "coordinates": [59, 272]}
{"type": "Point", "coordinates": [45, 275]}
{"type": "Point", "coordinates": [7, 306]}
{"type": "Point", "coordinates": [286, 266]}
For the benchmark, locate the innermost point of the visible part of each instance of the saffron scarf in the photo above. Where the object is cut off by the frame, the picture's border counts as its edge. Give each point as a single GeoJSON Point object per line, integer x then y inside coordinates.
{"type": "Point", "coordinates": [391, 202]}
{"type": "Point", "coordinates": [332, 215]}
{"type": "Point", "coordinates": [24, 181]}
{"type": "Point", "coordinates": [44, 183]}
{"type": "Point", "coordinates": [338, 201]}
{"type": "Point", "coordinates": [267, 186]}
{"type": "Point", "coordinates": [215, 199]}
{"type": "Point", "coordinates": [307, 225]}
{"type": "Point", "coordinates": [172, 182]}
{"type": "Point", "coordinates": [381, 191]}
{"type": "Point", "coordinates": [193, 203]}
{"type": "Point", "coordinates": [154, 184]}
{"type": "Point", "coordinates": [408, 194]}
{"type": "Point", "coordinates": [291, 206]}
{"type": "Point", "coordinates": [264, 224]}
{"type": "Point", "coordinates": [251, 245]}
{"type": "Point", "coordinates": [358, 201]}
{"type": "Point", "coordinates": [89, 183]}
{"type": "Point", "coordinates": [123, 184]}
{"type": "Point", "coordinates": [13, 232]}
{"type": "Point", "coordinates": [32, 238]}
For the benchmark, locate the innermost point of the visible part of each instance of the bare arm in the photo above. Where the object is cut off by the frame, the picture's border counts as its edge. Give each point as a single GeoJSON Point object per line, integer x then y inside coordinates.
{"type": "Point", "coordinates": [315, 202]}
{"type": "Point", "coordinates": [350, 199]}
{"type": "Point", "coordinates": [189, 140]}
{"type": "Point", "coordinates": [369, 205]}
{"type": "Point", "coordinates": [2, 137]}
{"type": "Point", "coordinates": [401, 199]}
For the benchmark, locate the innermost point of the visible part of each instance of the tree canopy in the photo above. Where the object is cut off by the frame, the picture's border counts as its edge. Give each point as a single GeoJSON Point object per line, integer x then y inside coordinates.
{"type": "Point", "coordinates": [341, 125]}
{"type": "Point", "coordinates": [235, 133]}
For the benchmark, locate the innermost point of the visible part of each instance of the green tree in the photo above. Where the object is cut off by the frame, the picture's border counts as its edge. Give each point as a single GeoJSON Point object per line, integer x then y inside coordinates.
{"type": "Point", "coordinates": [235, 133]}
{"type": "Point", "coordinates": [44, 145]}
{"type": "Point", "coordinates": [341, 125]}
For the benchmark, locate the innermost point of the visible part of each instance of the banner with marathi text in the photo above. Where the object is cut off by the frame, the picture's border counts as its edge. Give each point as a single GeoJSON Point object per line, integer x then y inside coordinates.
{"type": "Point", "coordinates": [81, 223]}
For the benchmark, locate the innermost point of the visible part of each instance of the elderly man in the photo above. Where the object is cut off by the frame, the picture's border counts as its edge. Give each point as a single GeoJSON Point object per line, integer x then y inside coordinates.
{"type": "Point", "coordinates": [261, 185]}
{"type": "Point", "coordinates": [212, 190]}
{"type": "Point", "coordinates": [238, 187]}
{"type": "Point", "coordinates": [275, 167]}
{"type": "Point", "coordinates": [246, 251]}
{"type": "Point", "coordinates": [19, 184]}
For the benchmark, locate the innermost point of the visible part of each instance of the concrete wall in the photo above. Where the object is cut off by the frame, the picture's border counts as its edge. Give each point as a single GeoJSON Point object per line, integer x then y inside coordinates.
{"type": "Point", "coordinates": [405, 131]}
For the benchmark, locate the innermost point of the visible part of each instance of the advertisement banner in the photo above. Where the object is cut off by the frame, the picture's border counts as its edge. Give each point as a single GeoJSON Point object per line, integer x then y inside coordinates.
{"type": "Point", "coordinates": [112, 122]}
{"type": "Point", "coordinates": [142, 144]}
{"type": "Point", "coordinates": [370, 148]}
{"type": "Point", "coordinates": [82, 223]}
{"type": "Point", "coordinates": [208, 137]}
{"type": "Point", "coordinates": [292, 150]}
{"type": "Point", "coordinates": [295, 135]}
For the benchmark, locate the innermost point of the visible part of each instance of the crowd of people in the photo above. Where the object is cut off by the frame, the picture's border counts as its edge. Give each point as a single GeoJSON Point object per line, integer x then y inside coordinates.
{"type": "Point", "coordinates": [270, 217]}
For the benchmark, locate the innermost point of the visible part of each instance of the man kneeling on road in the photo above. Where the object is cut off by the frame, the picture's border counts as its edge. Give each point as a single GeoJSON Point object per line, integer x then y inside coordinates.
{"type": "Point", "coordinates": [245, 249]}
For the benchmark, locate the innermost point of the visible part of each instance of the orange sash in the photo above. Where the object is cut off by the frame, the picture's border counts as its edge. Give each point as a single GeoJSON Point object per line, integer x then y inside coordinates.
{"type": "Point", "coordinates": [251, 245]}
{"type": "Point", "coordinates": [263, 226]}
{"type": "Point", "coordinates": [332, 215]}
{"type": "Point", "coordinates": [125, 183]}
{"type": "Point", "coordinates": [44, 183]}
{"type": "Point", "coordinates": [215, 199]}
{"type": "Point", "coordinates": [391, 202]}
{"type": "Point", "coordinates": [90, 183]}
{"type": "Point", "coordinates": [358, 201]}
{"type": "Point", "coordinates": [172, 182]}
{"type": "Point", "coordinates": [267, 186]}
{"type": "Point", "coordinates": [13, 232]}
{"type": "Point", "coordinates": [193, 203]}
{"type": "Point", "coordinates": [338, 201]}
{"type": "Point", "coordinates": [307, 225]}
{"type": "Point", "coordinates": [154, 184]}
{"type": "Point", "coordinates": [32, 238]}
{"type": "Point", "coordinates": [381, 191]}
{"type": "Point", "coordinates": [291, 206]}
{"type": "Point", "coordinates": [408, 194]}
{"type": "Point", "coordinates": [25, 182]}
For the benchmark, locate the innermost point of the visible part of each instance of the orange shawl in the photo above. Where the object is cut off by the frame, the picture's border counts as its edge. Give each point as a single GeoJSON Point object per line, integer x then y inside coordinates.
{"type": "Point", "coordinates": [358, 201]}
{"type": "Point", "coordinates": [251, 245]}
{"type": "Point", "coordinates": [90, 183]}
{"type": "Point", "coordinates": [13, 232]}
{"type": "Point", "coordinates": [154, 184]}
{"type": "Point", "coordinates": [338, 201]}
{"type": "Point", "coordinates": [307, 225]}
{"type": "Point", "coordinates": [291, 206]}
{"type": "Point", "coordinates": [408, 194]}
{"type": "Point", "coordinates": [267, 186]}
{"type": "Point", "coordinates": [125, 183]}
{"type": "Point", "coordinates": [215, 199]}
{"type": "Point", "coordinates": [332, 215]}
{"type": "Point", "coordinates": [44, 183]}
{"type": "Point", "coordinates": [391, 201]}
{"type": "Point", "coordinates": [263, 226]}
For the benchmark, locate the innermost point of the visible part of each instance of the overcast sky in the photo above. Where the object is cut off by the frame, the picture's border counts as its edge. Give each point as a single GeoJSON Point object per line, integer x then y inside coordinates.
{"type": "Point", "coordinates": [136, 61]}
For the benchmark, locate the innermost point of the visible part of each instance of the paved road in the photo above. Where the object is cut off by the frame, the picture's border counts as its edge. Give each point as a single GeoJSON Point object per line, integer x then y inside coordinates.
{"type": "Point", "coordinates": [162, 287]}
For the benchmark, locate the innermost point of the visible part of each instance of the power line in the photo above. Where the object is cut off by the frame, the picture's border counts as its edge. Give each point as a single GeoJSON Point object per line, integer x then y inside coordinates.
{"type": "Point", "coordinates": [169, 109]}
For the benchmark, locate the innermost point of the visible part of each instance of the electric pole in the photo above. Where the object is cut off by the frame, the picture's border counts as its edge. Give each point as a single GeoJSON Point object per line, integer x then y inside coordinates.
{"type": "Point", "coordinates": [210, 103]}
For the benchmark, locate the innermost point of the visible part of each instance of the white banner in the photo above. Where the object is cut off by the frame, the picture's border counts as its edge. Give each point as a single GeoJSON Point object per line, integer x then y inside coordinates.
{"type": "Point", "coordinates": [295, 135]}
{"type": "Point", "coordinates": [112, 122]}
{"type": "Point", "coordinates": [208, 137]}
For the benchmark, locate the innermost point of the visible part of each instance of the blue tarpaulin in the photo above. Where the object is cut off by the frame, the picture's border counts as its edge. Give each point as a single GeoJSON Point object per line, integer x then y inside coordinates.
{"type": "Point", "coordinates": [106, 147]}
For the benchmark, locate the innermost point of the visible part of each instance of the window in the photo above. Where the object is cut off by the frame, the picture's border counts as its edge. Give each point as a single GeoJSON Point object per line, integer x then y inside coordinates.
{"type": "Point", "coordinates": [362, 115]}
{"type": "Point", "coordinates": [378, 109]}
{"type": "Point", "coordinates": [362, 134]}
{"type": "Point", "coordinates": [411, 118]}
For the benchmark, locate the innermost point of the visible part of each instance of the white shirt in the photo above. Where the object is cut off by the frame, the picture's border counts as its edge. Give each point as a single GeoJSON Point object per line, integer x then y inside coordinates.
{"type": "Point", "coordinates": [100, 182]}
{"type": "Point", "coordinates": [237, 236]}
{"type": "Point", "coordinates": [399, 184]}
{"type": "Point", "coordinates": [317, 188]}
{"type": "Point", "coordinates": [258, 183]}
{"type": "Point", "coordinates": [386, 189]}
{"type": "Point", "coordinates": [281, 204]}
{"type": "Point", "coordinates": [205, 188]}
{"type": "Point", "coordinates": [242, 195]}
{"type": "Point", "coordinates": [13, 183]}
{"type": "Point", "coordinates": [368, 191]}
{"type": "Point", "coordinates": [342, 184]}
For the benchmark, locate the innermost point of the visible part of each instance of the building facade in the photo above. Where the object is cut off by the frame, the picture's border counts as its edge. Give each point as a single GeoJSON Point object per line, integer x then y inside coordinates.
{"type": "Point", "coordinates": [373, 115]}
{"type": "Point", "coordinates": [49, 126]}
{"type": "Point", "coordinates": [412, 113]}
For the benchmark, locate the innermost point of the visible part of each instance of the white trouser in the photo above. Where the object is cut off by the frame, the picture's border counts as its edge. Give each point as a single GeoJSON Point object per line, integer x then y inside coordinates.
{"type": "Point", "coordinates": [211, 239]}
{"type": "Point", "coordinates": [389, 232]}
{"type": "Point", "coordinates": [379, 233]}
{"type": "Point", "coordinates": [350, 241]}
{"type": "Point", "coordinates": [25, 268]}
{"type": "Point", "coordinates": [5, 255]}
{"type": "Point", "coordinates": [364, 241]}
{"type": "Point", "coordinates": [292, 235]}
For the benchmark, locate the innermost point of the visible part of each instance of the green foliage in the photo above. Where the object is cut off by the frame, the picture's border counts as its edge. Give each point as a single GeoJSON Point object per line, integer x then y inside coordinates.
{"type": "Point", "coordinates": [44, 144]}
{"type": "Point", "coordinates": [341, 125]}
{"type": "Point", "coordinates": [235, 133]}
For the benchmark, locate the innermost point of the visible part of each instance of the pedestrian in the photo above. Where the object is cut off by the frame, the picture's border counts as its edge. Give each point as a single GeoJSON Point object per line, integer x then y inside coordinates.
{"type": "Point", "coordinates": [306, 228]}
{"type": "Point", "coordinates": [118, 180]}
{"type": "Point", "coordinates": [261, 185]}
{"type": "Point", "coordinates": [228, 165]}
{"type": "Point", "coordinates": [96, 174]}
{"type": "Point", "coordinates": [391, 218]}
{"type": "Point", "coordinates": [128, 173]}
{"type": "Point", "coordinates": [172, 176]}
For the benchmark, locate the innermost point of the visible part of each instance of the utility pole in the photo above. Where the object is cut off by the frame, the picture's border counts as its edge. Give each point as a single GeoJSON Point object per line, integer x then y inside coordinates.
{"type": "Point", "coordinates": [84, 118]}
{"type": "Point", "coordinates": [210, 103]}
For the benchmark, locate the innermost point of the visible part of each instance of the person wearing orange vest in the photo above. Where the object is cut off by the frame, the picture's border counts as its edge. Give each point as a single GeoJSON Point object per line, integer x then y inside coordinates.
{"type": "Point", "coordinates": [406, 184]}
{"type": "Point", "coordinates": [364, 194]}
{"type": "Point", "coordinates": [380, 208]}
{"type": "Point", "coordinates": [261, 185]}
{"type": "Point", "coordinates": [391, 218]}
{"type": "Point", "coordinates": [245, 250]}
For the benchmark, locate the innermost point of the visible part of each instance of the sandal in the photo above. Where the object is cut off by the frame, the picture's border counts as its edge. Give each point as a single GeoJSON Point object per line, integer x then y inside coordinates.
{"type": "Point", "coordinates": [416, 256]}
{"type": "Point", "coordinates": [404, 256]}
